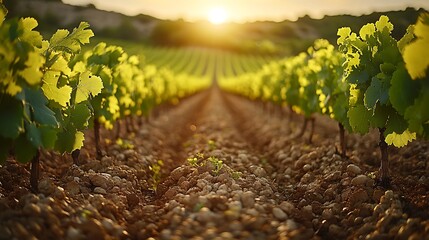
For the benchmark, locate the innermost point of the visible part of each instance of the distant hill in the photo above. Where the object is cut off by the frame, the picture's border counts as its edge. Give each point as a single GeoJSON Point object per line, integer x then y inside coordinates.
{"type": "Point", "coordinates": [53, 14]}
{"type": "Point", "coordinates": [286, 37]}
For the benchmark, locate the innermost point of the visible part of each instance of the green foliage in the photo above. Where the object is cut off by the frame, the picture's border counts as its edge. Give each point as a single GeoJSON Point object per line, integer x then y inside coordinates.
{"type": "Point", "coordinates": [217, 164]}
{"type": "Point", "coordinates": [50, 93]}
{"type": "Point", "coordinates": [156, 170]}
{"type": "Point", "coordinates": [374, 68]}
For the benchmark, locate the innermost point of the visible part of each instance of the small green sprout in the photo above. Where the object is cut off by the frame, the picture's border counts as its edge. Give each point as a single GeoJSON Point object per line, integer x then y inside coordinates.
{"type": "Point", "coordinates": [156, 177]}
{"type": "Point", "coordinates": [125, 144]}
{"type": "Point", "coordinates": [193, 161]}
{"type": "Point", "coordinates": [235, 174]}
{"type": "Point", "coordinates": [217, 163]}
{"type": "Point", "coordinates": [211, 144]}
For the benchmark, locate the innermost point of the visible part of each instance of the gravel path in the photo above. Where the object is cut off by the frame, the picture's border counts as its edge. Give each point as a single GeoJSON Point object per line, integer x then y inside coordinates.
{"type": "Point", "coordinates": [218, 166]}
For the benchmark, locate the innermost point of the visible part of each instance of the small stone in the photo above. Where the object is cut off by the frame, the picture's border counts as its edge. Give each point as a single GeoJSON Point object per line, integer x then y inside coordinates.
{"type": "Point", "coordinates": [279, 214]}
{"type": "Point", "coordinates": [165, 234]}
{"type": "Point", "coordinates": [72, 188]}
{"type": "Point", "coordinates": [46, 186]}
{"type": "Point", "coordinates": [351, 168]}
{"type": "Point", "coordinates": [359, 196]}
{"type": "Point", "coordinates": [360, 180]}
{"type": "Point", "coordinates": [100, 190]}
{"type": "Point", "coordinates": [73, 233]}
{"type": "Point", "coordinates": [177, 173]}
{"type": "Point", "coordinates": [133, 200]}
{"type": "Point", "coordinates": [287, 206]}
{"type": "Point", "coordinates": [93, 229]}
{"type": "Point", "coordinates": [335, 230]}
{"type": "Point", "coordinates": [258, 171]}
{"type": "Point", "coordinates": [99, 180]}
{"type": "Point", "coordinates": [248, 199]}
{"type": "Point", "coordinates": [291, 225]}
{"type": "Point", "coordinates": [376, 195]}
{"type": "Point", "coordinates": [306, 167]}
{"type": "Point", "coordinates": [32, 209]}
{"type": "Point", "coordinates": [327, 214]}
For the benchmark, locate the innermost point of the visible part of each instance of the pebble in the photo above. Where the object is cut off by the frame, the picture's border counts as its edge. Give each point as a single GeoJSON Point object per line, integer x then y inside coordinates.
{"type": "Point", "coordinates": [335, 230]}
{"type": "Point", "coordinates": [359, 196]}
{"type": "Point", "coordinates": [32, 209]}
{"type": "Point", "coordinates": [279, 214]}
{"type": "Point", "coordinates": [248, 199]}
{"type": "Point", "coordinates": [100, 190]}
{"type": "Point", "coordinates": [102, 181]}
{"type": "Point", "coordinates": [288, 207]}
{"type": "Point", "coordinates": [360, 180]}
{"type": "Point", "coordinates": [352, 168]}
{"type": "Point", "coordinates": [72, 188]}
{"type": "Point", "coordinates": [258, 171]}
{"type": "Point", "coordinates": [177, 173]}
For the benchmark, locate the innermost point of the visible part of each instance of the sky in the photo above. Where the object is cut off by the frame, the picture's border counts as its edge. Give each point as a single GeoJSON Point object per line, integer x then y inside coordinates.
{"type": "Point", "coordinates": [249, 10]}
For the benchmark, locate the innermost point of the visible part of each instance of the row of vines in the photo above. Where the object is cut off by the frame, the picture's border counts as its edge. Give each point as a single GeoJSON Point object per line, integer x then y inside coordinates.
{"type": "Point", "coordinates": [370, 81]}
{"type": "Point", "coordinates": [50, 92]}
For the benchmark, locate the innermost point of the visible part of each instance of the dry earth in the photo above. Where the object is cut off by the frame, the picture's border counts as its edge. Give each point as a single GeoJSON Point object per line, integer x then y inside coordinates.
{"type": "Point", "coordinates": [228, 169]}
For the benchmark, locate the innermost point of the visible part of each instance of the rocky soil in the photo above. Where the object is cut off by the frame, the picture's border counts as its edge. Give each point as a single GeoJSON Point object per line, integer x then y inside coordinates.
{"type": "Point", "coordinates": [218, 166]}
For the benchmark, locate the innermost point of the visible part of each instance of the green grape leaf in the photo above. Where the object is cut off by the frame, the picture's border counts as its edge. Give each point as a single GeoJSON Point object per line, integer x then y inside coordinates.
{"type": "Point", "coordinates": [395, 123]}
{"type": "Point", "coordinates": [387, 68]}
{"type": "Point", "coordinates": [343, 33]}
{"type": "Point", "coordinates": [89, 86]}
{"type": "Point", "coordinates": [415, 54]}
{"type": "Point", "coordinates": [49, 136]}
{"type": "Point", "coordinates": [72, 42]}
{"type": "Point", "coordinates": [61, 65]}
{"type": "Point", "coordinates": [38, 104]}
{"type": "Point", "coordinates": [358, 118]}
{"type": "Point", "coordinates": [367, 30]}
{"type": "Point", "coordinates": [401, 139]}
{"type": "Point", "coordinates": [418, 114]}
{"type": "Point", "coordinates": [383, 24]}
{"type": "Point", "coordinates": [380, 115]}
{"type": "Point", "coordinates": [32, 73]}
{"type": "Point", "coordinates": [33, 134]}
{"type": "Point", "coordinates": [52, 92]}
{"type": "Point", "coordinates": [30, 36]}
{"type": "Point", "coordinates": [79, 67]}
{"type": "Point", "coordinates": [69, 140]}
{"type": "Point", "coordinates": [406, 39]}
{"type": "Point", "coordinates": [80, 116]}
{"type": "Point", "coordinates": [402, 91]}
{"type": "Point", "coordinates": [3, 12]}
{"type": "Point", "coordinates": [377, 92]}
{"type": "Point", "coordinates": [24, 150]}
{"type": "Point", "coordinates": [358, 76]}
{"type": "Point", "coordinates": [11, 117]}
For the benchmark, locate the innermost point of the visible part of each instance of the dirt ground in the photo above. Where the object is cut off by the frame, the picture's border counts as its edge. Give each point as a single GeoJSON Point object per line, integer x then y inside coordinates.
{"type": "Point", "coordinates": [218, 166]}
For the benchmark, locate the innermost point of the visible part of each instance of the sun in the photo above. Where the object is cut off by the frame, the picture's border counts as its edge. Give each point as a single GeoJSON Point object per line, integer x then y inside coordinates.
{"type": "Point", "coordinates": [217, 15]}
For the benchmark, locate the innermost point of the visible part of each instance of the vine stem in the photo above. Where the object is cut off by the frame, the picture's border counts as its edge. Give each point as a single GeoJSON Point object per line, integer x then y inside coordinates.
{"type": "Point", "coordinates": [312, 122]}
{"type": "Point", "coordinates": [343, 140]}
{"type": "Point", "coordinates": [35, 172]}
{"type": "Point", "coordinates": [75, 155]}
{"type": "Point", "coordinates": [118, 129]}
{"type": "Point", "coordinates": [384, 167]}
{"type": "Point", "coordinates": [99, 155]}
{"type": "Point", "coordinates": [304, 127]}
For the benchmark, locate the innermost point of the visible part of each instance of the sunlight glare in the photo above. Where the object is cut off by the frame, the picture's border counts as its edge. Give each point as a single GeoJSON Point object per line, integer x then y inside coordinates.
{"type": "Point", "coordinates": [217, 15]}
